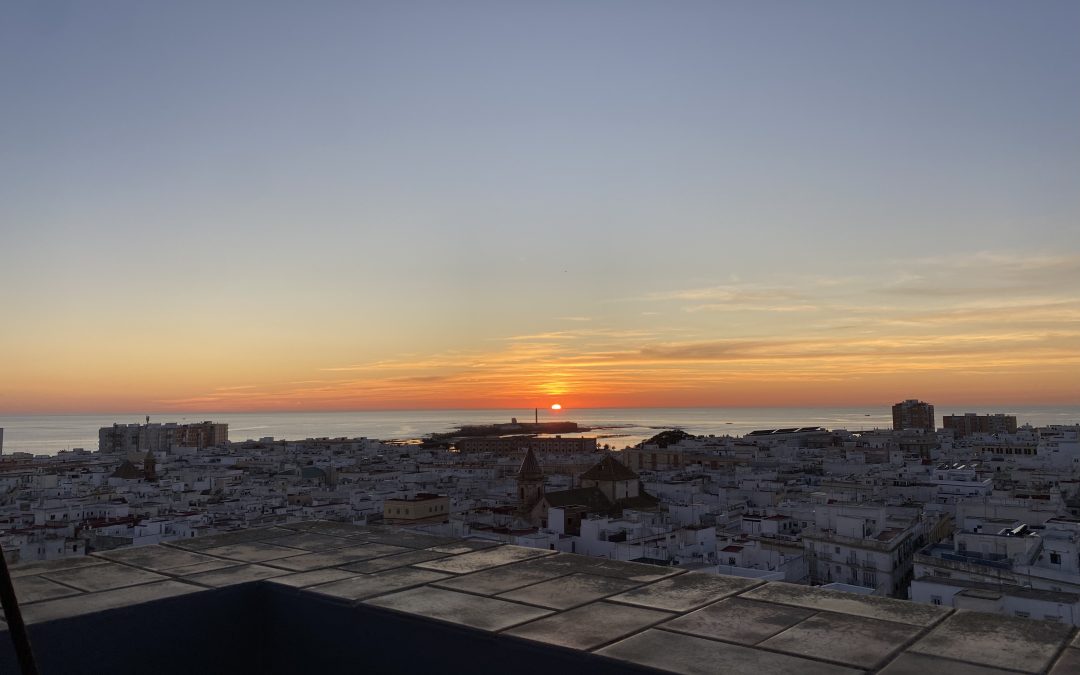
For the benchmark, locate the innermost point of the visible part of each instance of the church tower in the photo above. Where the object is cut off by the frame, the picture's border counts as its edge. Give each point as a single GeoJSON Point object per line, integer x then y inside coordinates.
{"type": "Point", "coordinates": [149, 466]}
{"type": "Point", "coordinates": [530, 480]}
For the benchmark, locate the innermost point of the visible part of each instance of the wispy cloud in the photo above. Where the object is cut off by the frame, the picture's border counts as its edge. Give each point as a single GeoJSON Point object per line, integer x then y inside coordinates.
{"type": "Point", "coordinates": [522, 371]}
{"type": "Point", "coordinates": [914, 322]}
{"type": "Point", "coordinates": [721, 307]}
{"type": "Point", "coordinates": [983, 274]}
{"type": "Point", "coordinates": [733, 294]}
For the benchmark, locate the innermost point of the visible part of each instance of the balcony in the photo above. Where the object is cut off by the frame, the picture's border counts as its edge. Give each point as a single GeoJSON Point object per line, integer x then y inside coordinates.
{"type": "Point", "coordinates": [321, 597]}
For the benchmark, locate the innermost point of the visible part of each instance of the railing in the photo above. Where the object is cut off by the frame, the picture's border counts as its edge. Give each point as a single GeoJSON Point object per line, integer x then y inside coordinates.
{"type": "Point", "coordinates": [1001, 563]}
{"type": "Point", "coordinates": [885, 546]}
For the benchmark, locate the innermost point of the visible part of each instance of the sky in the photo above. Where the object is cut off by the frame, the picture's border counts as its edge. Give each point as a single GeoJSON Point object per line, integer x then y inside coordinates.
{"type": "Point", "coordinates": [264, 205]}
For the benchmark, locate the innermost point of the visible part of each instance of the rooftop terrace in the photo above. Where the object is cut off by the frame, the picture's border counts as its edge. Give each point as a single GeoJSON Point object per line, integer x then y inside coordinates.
{"type": "Point", "coordinates": [327, 597]}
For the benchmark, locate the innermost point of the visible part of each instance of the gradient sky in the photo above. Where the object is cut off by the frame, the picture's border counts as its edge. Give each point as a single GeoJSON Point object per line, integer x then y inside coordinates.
{"type": "Point", "coordinates": [360, 205]}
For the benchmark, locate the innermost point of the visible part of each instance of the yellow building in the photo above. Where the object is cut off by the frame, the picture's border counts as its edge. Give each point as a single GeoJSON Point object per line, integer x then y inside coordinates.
{"type": "Point", "coordinates": [423, 508]}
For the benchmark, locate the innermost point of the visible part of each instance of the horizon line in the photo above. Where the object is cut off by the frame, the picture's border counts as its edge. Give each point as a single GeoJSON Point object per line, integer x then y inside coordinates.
{"type": "Point", "coordinates": [273, 411]}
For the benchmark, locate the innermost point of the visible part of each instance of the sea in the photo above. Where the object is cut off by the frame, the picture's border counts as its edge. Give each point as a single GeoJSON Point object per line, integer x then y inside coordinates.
{"type": "Point", "coordinates": [615, 427]}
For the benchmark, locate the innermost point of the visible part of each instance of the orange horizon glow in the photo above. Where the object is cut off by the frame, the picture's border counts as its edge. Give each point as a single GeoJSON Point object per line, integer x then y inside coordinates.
{"type": "Point", "coordinates": [660, 351]}
{"type": "Point", "coordinates": [610, 381]}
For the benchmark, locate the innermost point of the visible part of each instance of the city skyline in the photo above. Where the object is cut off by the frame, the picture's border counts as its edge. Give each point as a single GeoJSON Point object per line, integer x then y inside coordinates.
{"type": "Point", "coordinates": [258, 207]}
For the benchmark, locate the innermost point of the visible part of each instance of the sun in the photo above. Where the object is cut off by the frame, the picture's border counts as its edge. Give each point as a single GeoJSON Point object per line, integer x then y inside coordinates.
{"type": "Point", "coordinates": [556, 406]}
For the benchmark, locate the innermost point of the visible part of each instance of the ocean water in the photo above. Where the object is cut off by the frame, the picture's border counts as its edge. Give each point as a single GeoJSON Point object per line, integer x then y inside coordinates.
{"type": "Point", "coordinates": [618, 427]}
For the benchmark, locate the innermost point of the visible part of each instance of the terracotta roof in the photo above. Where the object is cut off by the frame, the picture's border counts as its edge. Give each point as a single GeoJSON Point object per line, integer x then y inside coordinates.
{"type": "Point", "coordinates": [643, 502]}
{"type": "Point", "coordinates": [609, 469]}
{"type": "Point", "coordinates": [589, 497]}
{"type": "Point", "coordinates": [127, 470]}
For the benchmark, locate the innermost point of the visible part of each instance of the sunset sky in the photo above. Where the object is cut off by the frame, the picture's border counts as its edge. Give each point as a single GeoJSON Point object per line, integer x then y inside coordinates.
{"type": "Point", "coordinates": [237, 206]}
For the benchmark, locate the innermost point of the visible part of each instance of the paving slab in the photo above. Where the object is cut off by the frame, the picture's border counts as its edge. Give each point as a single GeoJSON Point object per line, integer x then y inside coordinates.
{"type": "Point", "coordinates": [230, 576]}
{"type": "Point", "coordinates": [36, 589]}
{"type": "Point", "coordinates": [304, 579]}
{"type": "Point", "coordinates": [88, 603]}
{"type": "Point", "coordinates": [408, 539]}
{"type": "Point", "coordinates": [464, 546]}
{"type": "Point", "coordinates": [460, 608]}
{"type": "Point", "coordinates": [590, 626]}
{"type": "Point", "coordinates": [739, 620]}
{"type": "Point", "coordinates": [360, 586]}
{"type": "Point", "coordinates": [678, 653]}
{"type": "Point", "coordinates": [629, 570]}
{"type": "Point", "coordinates": [32, 568]}
{"type": "Point", "coordinates": [313, 541]}
{"type": "Point", "coordinates": [336, 558]}
{"type": "Point", "coordinates": [851, 640]}
{"type": "Point", "coordinates": [187, 570]}
{"type": "Point", "coordinates": [231, 538]}
{"type": "Point", "coordinates": [253, 552]}
{"type": "Point", "coordinates": [685, 592]}
{"type": "Point", "coordinates": [391, 561]}
{"type": "Point", "coordinates": [569, 591]}
{"type": "Point", "coordinates": [479, 560]}
{"type": "Point", "coordinates": [994, 640]}
{"type": "Point", "coordinates": [502, 579]}
{"type": "Point", "coordinates": [570, 563]}
{"type": "Point", "coordinates": [301, 526]}
{"type": "Point", "coordinates": [339, 529]}
{"type": "Point", "coordinates": [886, 609]}
{"type": "Point", "coordinates": [921, 664]}
{"type": "Point", "coordinates": [1069, 662]}
{"type": "Point", "coordinates": [155, 558]}
{"type": "Point", "coordinates": [103, 577]}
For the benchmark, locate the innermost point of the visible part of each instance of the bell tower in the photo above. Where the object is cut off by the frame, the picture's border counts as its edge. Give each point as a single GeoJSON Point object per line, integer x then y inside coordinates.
{"type": "Point", "coordinates": [530, 480]}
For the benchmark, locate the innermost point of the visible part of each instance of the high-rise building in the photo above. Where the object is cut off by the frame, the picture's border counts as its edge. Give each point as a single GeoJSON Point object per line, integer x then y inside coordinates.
{"type": "Point", "coordinates": [203, 435]}
{"type": "Point", "coordinates": [970, 423]}
{"type": "Point", "coordinates": [913, 414]}
{"type": "Point", "coordinates": [140, 438]}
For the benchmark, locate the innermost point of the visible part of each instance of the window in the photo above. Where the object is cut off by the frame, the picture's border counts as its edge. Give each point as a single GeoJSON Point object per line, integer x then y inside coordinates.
{"type": "Point", "coordinates": [1023, 615]}
{"type": "Point", "coordinates": [935, 599]}
{"type": "Point", "coordinates": [1055, 558]}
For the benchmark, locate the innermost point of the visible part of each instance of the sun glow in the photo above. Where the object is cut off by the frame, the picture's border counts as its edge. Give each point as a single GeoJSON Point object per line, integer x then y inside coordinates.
{"type": "Point", "coordinates": [556, 406]}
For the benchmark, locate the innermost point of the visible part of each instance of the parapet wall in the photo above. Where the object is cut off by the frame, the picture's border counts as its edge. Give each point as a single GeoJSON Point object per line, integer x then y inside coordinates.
{"type": "Point", "coordinates": [329, 597]}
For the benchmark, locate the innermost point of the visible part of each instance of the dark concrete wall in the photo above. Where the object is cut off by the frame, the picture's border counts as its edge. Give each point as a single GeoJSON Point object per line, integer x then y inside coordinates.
{"type": "Point", "coordinates": [262, 628]}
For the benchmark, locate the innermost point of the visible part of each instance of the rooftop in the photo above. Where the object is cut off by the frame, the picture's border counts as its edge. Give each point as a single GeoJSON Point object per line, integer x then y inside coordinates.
{"type": "Point", "coordinates": [419, 497]}
{"type": "Point", "coordinates": [789, 430]}
{"type": "Point", "coordinates": [322, 597]}
{"type": "Point", "coordinates": [609, 469]}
